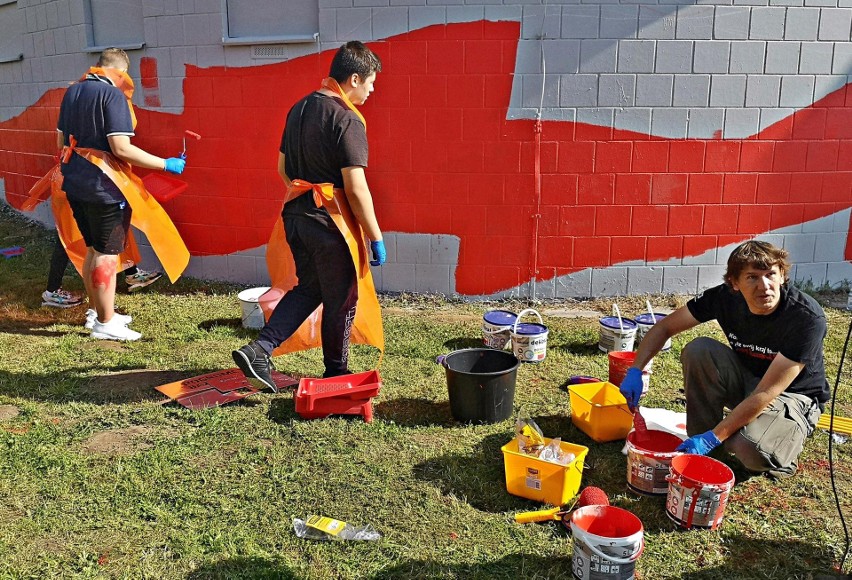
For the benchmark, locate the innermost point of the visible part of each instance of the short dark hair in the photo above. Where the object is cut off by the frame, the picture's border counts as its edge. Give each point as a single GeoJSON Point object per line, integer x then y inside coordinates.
{"type": "Point", "coordinates": [114, 58]}
{"type": "Point", "coordinates": [354, 58]}
{"type": "Point", "coordinates": [757, 254]}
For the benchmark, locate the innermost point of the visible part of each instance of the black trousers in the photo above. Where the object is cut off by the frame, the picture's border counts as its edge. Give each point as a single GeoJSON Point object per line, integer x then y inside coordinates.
{"type": "Point", "coordinates": [326, 276]}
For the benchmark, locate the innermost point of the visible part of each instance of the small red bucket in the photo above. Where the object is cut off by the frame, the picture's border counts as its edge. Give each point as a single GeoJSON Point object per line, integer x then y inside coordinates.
{"type": "Point", "coordinates": [607, 542]}
{"type": "Point", "coordinates": [649, 460]}
{"type": "Point", "coordinates": [698, 491]}
{"type": "Point", "coordinates": [620, 361]}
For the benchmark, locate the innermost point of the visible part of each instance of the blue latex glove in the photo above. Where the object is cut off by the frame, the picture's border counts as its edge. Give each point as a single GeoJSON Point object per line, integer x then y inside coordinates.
{"type": "Point", "coordinates": [379, 253]}
{"type": "Point", "coordinates": [175, 165]}
{"type": "Point", "coordinates": [700, 444]}
{"type": "Point", "coordinates": [631, 387]}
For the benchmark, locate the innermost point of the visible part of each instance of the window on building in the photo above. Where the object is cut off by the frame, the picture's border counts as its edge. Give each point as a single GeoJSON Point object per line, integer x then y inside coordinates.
{"type": "Point", "coordinates": [270, 21]}
{"type": "Point", "coordinates": [11, 31]}
{"type": "Point", "coordinates": [117, 23]}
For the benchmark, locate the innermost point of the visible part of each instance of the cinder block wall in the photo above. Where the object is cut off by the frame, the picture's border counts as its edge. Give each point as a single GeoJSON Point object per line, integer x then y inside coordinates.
{"type": "Point", "coordinates": [669, 133]}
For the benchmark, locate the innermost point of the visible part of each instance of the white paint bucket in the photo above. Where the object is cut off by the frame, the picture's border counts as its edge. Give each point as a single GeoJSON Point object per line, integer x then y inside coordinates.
{"type": "Point", "coordinates": [497, 327]}
{"type": "Point", "coordinates": [644, 323]}
{"type": "Point", "coordinates": [249, 302]}
{"type": "Point", "coordinates": [698, 491]}
{"type": "Point", "coordinates": [616, 333]}
{"type": "Point", "coordinates": [529, 339]}
{"type": "Point", "coordinates": [607, 542]}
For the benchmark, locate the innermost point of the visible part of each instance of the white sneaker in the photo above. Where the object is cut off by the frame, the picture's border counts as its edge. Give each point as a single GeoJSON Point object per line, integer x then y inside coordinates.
{"type": "Point", "coordinates": [92, 316]}
{"type": "Point", "coordinates": [113, 330]}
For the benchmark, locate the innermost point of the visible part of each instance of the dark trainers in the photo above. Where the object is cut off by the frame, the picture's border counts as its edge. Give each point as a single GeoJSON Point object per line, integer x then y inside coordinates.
{"type": "Point", "coordinates": [256, 366]}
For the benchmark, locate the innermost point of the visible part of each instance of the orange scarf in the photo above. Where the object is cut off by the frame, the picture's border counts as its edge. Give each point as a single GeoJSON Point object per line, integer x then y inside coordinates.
{"type": "Point", "coordinates": [367, 325]}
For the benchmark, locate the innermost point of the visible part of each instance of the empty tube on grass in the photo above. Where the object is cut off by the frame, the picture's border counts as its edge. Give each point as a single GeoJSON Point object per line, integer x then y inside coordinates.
{"type": "Point", "coordinates": [324, 528]}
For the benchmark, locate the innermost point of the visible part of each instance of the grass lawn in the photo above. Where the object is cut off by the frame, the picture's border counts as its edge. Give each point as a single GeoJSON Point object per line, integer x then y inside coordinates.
{"type": "Point", "coordinates": [101, 477]}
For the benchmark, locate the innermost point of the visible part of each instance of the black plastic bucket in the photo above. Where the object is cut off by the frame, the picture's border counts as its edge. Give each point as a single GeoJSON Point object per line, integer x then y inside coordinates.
{"type": "Point", "coordinates": [481, 383]}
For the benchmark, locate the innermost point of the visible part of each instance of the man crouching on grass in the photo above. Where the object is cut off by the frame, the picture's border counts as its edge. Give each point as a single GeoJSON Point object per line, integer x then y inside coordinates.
{"type": "Point", "coordinates": [771, 375]}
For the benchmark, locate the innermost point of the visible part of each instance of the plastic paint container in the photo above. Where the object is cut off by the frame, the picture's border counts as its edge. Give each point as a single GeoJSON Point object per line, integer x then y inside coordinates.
{"type": "Point", "coordinates": [497, 327]}
{"type": "Point", "coordinates": [529, 339]}
{"type": "Point", "coordinates": [252, 315]}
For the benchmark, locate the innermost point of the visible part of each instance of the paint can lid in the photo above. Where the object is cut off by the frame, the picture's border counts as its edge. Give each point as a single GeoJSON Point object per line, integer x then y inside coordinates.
{"type": "Point", "coordinates": [500, 317]}
{"type": "Point", "coordinates": [646, 318]}
{"type": "Point", "coordinates": [530, 328]}
{"type": "Point", "coordinates": [612, 322]}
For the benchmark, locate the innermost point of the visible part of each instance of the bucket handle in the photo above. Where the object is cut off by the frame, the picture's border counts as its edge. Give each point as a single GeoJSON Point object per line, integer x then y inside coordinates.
{"type": "Point", "coordinates": [617, 312]}
{"type": "Point", "coordinates": [521, 313]}
{"type": "Point", "coordinates": [614, 559]}
{"type": "Point", "coordinates": [439, 360]}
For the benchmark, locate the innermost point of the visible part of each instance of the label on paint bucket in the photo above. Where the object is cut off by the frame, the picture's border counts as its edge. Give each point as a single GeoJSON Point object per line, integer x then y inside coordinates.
{"type": "Point", "coordinates": [497, 328]}
{"type": "Point", "coordinates": [616, 333]}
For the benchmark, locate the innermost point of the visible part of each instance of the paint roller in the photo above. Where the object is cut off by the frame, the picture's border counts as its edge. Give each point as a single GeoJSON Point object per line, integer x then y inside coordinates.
{"type": "Point", "coordinates": [186, 134]}
{"type": "Point", "coordinates": [589, 496]}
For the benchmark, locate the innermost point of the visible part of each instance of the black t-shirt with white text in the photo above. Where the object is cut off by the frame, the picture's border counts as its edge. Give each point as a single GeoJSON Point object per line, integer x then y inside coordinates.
{"type": "Point", "coordinates": [796, 330]}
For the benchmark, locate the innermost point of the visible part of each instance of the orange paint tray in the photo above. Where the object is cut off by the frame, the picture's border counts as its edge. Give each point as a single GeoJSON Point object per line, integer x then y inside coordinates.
{"type": "Point", "coordinates": [163, 187]}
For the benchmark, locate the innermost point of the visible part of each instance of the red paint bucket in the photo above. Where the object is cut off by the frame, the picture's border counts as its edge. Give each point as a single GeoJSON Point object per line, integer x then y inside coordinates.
{"type": "Point", "coordinates": [607, 542]}
{"type": "Point", "coordinates": [620, 361]}
{"type": "Point", "coordinates": [698, 491]}
{"type": "Point", "coordinates": [649, 459]}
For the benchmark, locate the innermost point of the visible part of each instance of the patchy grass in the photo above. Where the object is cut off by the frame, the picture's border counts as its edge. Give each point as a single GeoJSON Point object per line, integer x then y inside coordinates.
{"type": "Point", "coordinates": [100, 477]}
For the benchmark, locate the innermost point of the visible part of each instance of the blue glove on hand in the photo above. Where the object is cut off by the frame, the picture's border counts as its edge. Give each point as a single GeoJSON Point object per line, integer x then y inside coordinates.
{"type": "Point", "coordinates": [631, 387]}
{"type": "Point", "coordinates": [379, 253]}
{"type": "Point", "coordinates": [175, 165]}
{"type": "Point", "coordinates": [700, 444]}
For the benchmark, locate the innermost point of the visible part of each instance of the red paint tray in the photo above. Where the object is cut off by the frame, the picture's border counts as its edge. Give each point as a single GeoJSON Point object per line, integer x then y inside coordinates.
{"type": "Point", "coordinates": [163, 187]}
{"type": "Point", "coordinates": [344, 395]}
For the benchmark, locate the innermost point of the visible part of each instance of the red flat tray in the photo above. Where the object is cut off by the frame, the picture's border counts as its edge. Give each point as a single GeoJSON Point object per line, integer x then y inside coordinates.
{"type": "Point", "coordinates": [355, 386]}
{"type": "Point", "coordinates": [163, 187]}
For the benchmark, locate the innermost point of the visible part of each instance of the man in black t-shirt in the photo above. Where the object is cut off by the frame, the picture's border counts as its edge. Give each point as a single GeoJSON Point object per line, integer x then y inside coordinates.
{"type": "Point", "coordinates": [771, 375]}
{"type": "Point", "coordinates": [324, 142]}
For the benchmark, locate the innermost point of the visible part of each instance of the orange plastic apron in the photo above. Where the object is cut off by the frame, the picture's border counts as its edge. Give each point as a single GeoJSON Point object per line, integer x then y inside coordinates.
{"type": "Point", "coordinates": [147, 214]}
{"type": "Point", "coordinates": [367, 325]}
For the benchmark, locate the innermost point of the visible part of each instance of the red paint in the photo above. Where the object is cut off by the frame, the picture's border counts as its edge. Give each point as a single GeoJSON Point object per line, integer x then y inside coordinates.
{"type": "Point", "coordinates": [445, 160]}
{"type": "Point", "coordinates": [150, 81]}
{"type": "Point", "coordinates": [104, 274]}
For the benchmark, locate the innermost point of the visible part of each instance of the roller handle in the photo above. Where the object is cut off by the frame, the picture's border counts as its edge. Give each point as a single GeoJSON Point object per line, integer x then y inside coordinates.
{"type": "Point", "coordinates": [539, 516]}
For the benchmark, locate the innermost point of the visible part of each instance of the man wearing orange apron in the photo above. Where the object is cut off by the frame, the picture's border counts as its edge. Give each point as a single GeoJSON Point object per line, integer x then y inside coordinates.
{"type": "Point", "coordinates": [327, 212]}
{"type": "Point", "coordinates": [96, 123]}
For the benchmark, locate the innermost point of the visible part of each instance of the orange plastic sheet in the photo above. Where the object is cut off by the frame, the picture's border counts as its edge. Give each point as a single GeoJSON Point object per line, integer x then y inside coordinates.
{"type": "Point", "coordinates": [69, 234]}
{"type": "Point", "coordinates": [367, 326]}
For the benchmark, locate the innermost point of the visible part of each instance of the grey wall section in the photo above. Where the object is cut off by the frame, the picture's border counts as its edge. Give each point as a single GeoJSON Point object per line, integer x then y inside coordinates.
{"type": "Point", "coordinates": [668, 68]}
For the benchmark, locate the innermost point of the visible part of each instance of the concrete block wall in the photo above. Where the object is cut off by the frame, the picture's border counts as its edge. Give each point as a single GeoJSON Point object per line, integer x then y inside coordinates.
{"type": "Point", "coordinates": [670, 132]}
